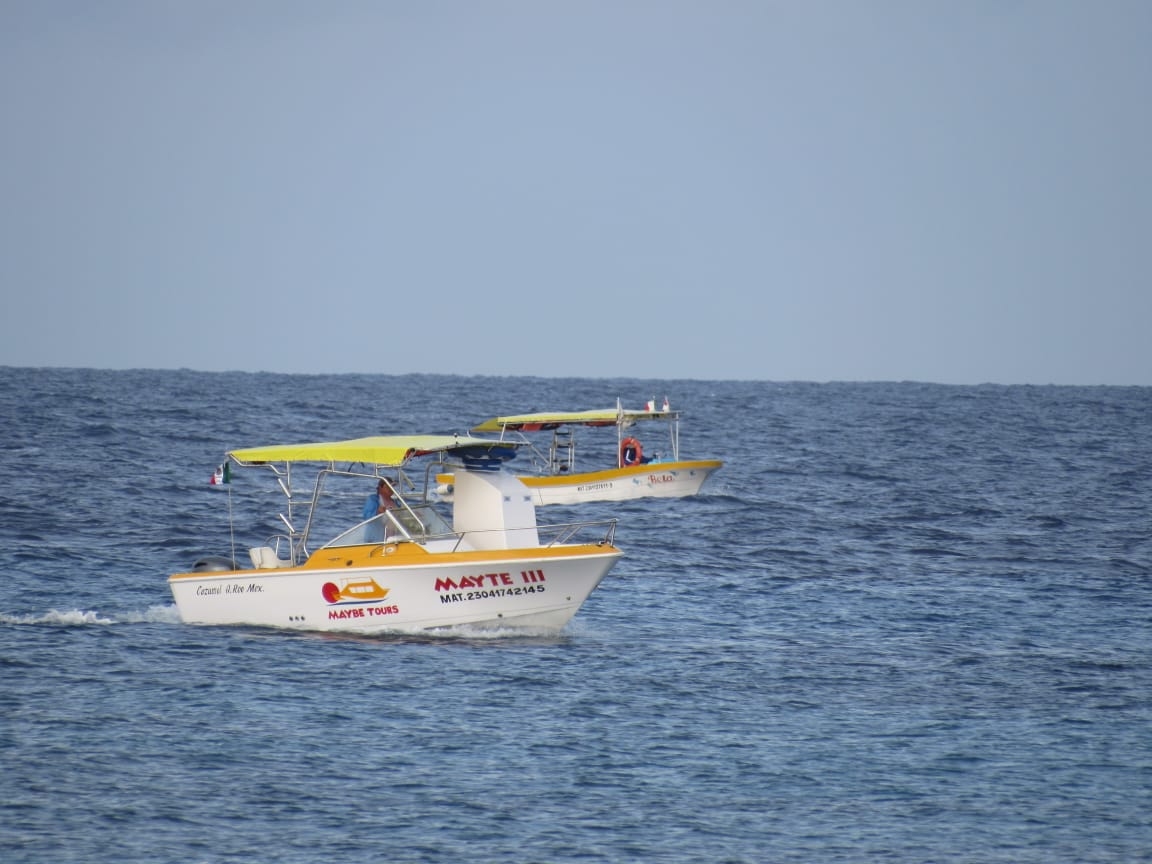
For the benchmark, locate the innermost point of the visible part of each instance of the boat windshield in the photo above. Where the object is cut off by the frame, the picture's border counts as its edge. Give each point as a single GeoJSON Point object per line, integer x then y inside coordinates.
{"type": "Point", "coordinates": [419, 523]}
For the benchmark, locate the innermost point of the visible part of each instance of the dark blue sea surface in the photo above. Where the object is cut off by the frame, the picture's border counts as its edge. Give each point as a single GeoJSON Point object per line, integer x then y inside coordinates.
{"type": "Point", "coordinates": [904, 623]}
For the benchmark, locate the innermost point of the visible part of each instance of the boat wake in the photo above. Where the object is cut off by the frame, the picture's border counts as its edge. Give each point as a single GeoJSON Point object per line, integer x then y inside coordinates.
{"type": "Point", "coordinates": [461, 634]}
{"type": "Point", "coordinates": [170, 615]}
{"type": "Point", "coordinates": [84, 618]}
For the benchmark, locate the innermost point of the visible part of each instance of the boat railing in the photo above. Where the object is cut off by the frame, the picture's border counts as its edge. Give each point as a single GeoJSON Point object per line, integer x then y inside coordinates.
{"type": "Point", "coordinates": [378, 530]}
{"type": "Point", "coordinates": [562, 453]}
{"type": "Point", "coordinates": [277, 542]}
{"type": "Point", "coordinates": [569, 532]}
{"type": "Point", "coordinates": [373, 532]}
{"type": "Point", "coordinates": [392, 526]}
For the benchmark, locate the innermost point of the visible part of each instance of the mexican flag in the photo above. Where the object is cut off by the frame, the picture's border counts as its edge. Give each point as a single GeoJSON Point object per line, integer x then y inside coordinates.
{"type": "Point", "coordinates": [222, 475]}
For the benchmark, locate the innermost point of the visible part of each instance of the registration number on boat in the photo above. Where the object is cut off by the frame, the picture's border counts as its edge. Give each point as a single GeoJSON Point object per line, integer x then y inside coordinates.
{"type": "Point", "coordinates": [489, 593]}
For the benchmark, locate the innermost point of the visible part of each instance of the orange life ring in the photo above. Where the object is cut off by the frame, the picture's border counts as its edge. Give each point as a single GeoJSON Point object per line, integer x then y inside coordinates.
{"type": "Point", "coordinates": [631, 452]}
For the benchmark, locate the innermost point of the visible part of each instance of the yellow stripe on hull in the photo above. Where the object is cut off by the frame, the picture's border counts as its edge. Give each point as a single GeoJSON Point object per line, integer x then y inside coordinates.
{"type": "Point", "coordinates": [652, 480]}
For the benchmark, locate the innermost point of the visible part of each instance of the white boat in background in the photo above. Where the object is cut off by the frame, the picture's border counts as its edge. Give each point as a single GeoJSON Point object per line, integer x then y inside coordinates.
{"type": "Point", "coordinates": [406, 569]}
{"type": "Point", "coordinates": [633, 469]}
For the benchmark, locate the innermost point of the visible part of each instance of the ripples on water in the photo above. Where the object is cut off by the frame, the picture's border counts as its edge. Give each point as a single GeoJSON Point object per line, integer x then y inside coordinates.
{"type": "Point", "coordinates": [904, 623]}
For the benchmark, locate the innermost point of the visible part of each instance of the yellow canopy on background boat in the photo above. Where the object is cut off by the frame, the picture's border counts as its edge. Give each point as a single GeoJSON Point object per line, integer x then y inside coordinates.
{"type": "Point", "coordinates": [552, 419]}
{"type": "Point", "coordinates": [388, 450]}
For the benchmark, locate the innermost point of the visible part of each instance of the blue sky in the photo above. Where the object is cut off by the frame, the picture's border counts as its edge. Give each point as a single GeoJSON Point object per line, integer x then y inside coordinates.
{"type": "Point", "coordinates": [955, 192]}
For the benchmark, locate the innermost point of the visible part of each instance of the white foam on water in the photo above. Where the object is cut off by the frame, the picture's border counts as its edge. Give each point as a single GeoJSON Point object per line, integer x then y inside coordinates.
{"type": "Point", "coordinates": [84, 618]}
{"type": "Point", "coordinates": [59, 618]}
{"type": "Point", "coordinates": [152, 615]}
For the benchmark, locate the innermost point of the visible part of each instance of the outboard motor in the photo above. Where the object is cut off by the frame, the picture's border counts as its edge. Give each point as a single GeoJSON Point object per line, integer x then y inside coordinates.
{"type": "Point", "coordinates": [211, 563]}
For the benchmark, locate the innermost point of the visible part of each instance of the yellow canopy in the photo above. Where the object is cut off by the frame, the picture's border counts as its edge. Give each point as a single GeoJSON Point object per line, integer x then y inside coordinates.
{"type": "Point", "coordinates": [552, 419]}
{"type": "Point", "coordinates": [387, 450]}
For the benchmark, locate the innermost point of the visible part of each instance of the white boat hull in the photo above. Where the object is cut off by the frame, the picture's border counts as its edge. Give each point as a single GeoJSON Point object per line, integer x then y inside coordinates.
{"type": "Point", "coordinates": [352, 590]}
{"type": "Point", "coordinates": [652, 480]}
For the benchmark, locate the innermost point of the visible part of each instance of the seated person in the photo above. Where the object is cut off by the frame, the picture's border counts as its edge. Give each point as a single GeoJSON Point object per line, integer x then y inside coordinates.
{"type": "Point", "coordinates": [631, 453]}
{"type": "Point", "coordinates": [377, 503]}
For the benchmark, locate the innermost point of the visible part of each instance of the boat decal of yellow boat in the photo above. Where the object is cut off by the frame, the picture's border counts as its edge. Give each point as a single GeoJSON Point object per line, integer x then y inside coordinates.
{"type": "Point", "coordinates": [359, 591]}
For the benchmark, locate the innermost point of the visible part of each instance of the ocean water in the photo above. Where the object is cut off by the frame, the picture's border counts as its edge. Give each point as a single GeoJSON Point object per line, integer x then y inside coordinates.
{"type": "Point", "coordinates": [904, 623]}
